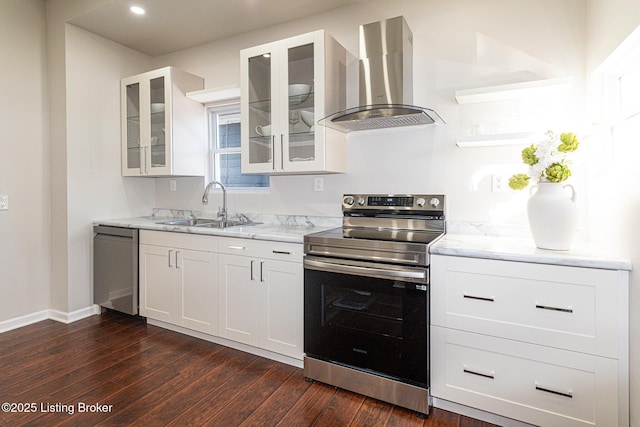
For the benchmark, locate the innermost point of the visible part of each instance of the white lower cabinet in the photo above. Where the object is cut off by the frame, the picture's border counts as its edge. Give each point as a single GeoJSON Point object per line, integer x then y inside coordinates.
{"type": "Point", "coordinates": [178, 279]}
{"type": "Point", "coordinates": [543, 344]}
{"type": "Point", "coordinates": [261, 295]}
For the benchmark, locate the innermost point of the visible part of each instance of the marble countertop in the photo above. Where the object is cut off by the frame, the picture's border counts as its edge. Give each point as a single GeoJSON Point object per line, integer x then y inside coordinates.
{"type": "Point", "coordinates": [514, 248]}
{"type": "Point", "coordinates": [279, 228]}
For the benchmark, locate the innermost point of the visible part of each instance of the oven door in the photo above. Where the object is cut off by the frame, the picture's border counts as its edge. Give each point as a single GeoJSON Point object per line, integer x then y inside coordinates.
{"type": "Point", "coordinates": [369, 316]}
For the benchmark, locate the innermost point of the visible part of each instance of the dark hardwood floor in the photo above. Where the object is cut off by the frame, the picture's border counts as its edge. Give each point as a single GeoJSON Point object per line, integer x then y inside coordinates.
{"type": "Point", "coordinates": [134, 373]}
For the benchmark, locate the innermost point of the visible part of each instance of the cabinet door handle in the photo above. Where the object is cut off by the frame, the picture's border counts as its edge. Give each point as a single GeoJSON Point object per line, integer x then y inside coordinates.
{"type": "Point", "coordinates": [236, 247]}
{"type": "Point", "coordinates": [147, 156]}
{"type": "Point", "coordinates": [282, 151]}
{"type": "Point", "coordinates": [251, 272]}
{"type": "Point", "coordinates": [177, 263]}
{"type": "Point", "coordinates": [273, 151]}
{"type": "Point", "coordinates": [281, 252]}
{"type": "Point", "coordinates": [490, 375]}
{"type": "Point", "coordinates": [489, 299]}
{"type": "Point", "coordinates": [568, 393]}
{"type": "Point", "coordinates": [261, 275]}
{"type": "Point", "coordinates": [552, 308]}
{"type": "Point", "coordinates": [170, 257]}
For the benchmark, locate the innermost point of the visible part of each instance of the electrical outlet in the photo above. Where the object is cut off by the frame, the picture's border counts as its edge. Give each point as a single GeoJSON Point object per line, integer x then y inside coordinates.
{"type": "Point", "coordinates": [499, 183]}
{"type": "Point", "coordinates": [172, 185]}
{"type": "Point", "coordinates": [318, 183]}
{"type": "Point", "coordinates": [4, 203]}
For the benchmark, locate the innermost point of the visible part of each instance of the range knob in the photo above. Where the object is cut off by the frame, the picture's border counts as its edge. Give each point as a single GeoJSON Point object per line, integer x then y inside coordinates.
{"type": "Point", "coordinates": [361, 201]}
{"type": "Point", "coordinates": [435, 202]}
{"type": "Point", "coordinates": [420, 202]}
{"type": "Point", "coordinates": [349, 201]}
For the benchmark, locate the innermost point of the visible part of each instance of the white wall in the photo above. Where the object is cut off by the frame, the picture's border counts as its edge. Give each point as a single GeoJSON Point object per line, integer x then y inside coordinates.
{"type": "Point", "coordinates": [95, 187]}
{"type": "Point", "coordinates": [24, 160]}
{"type": "Point", "coordinates": [614, 171]}
{"type": "Point", "coordinates": [457, 45]}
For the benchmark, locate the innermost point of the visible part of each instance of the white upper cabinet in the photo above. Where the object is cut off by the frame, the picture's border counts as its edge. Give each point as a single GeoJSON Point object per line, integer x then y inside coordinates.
{"type": "Point", "coordinates": [286, 87]}
{"type": "Point", "coordinates": [163, 131]}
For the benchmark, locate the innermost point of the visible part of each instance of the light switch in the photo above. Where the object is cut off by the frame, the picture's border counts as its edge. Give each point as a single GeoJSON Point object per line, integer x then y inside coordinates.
{"type": "Point", "coordinates": [172, 185]}
{"type": "Point", "coordinates": [4, 203]}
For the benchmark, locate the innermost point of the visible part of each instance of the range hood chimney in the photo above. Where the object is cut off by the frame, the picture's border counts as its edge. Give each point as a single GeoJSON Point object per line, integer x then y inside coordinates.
{"type": "Point", "coordinates": [386, 82]}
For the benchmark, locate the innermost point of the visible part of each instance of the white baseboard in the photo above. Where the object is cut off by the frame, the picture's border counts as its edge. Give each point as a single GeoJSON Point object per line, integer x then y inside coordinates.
{"type": "Point", "coordinates": [74, 316]}
{"type": "Point", "coordinates": [477, 413]}
{"type": "Point", "coordinates": [25, 320]}
{"type": "Point", "coordinates": [228, 343]}
{"type": "Point", "coordinates": [57, 315]}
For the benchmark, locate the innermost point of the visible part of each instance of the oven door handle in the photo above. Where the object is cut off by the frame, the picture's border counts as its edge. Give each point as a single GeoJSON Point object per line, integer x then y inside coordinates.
{"type": "Point", "coordinates": [334, 267]}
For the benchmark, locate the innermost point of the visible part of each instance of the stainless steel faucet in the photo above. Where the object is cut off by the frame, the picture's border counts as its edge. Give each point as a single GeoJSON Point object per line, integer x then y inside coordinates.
{"type": "Point", "coordinates": [205, 199]}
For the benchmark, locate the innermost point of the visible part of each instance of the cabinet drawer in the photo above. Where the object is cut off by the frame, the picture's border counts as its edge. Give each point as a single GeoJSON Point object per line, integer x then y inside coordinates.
{"type": "Point", "coordinates": [261, 249]}
{"type": "Point", "coordinates": [198, 242]}
{"type": "Point", "coordinates": [531, 383]}
{"type": "Point", "coordinates": [564, 307]}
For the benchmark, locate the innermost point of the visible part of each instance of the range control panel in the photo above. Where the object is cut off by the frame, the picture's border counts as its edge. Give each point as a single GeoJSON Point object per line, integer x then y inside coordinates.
{"type": "Point", "coordinates": [392, 202]}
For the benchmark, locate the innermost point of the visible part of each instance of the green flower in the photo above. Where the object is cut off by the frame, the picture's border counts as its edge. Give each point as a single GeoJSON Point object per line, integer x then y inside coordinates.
{"type": "Point", "coordinates": [557, 172]}
{"type": "Point", "coordinates": [529, 155]}
{"type": "Point", "coordinates": [569, 142]}
{"type": "Point", "coordinates": [519, 181]}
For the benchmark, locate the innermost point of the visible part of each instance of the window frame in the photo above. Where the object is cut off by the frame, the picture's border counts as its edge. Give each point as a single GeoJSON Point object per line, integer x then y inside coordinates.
{"type": "Point", "coordinates": [212, 111]}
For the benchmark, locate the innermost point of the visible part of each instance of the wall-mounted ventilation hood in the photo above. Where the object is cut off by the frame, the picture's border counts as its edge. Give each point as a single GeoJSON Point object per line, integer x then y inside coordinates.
{"type": "Point", "coordinates": [386, 82]}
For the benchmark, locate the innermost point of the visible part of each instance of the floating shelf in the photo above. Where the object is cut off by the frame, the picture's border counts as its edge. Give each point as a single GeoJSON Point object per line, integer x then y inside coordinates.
{"type": "Point", "coordinates": [496, 140]}
{"type": "Point", "coordinates": [536, 88]}
{"type": "Point", "coordinates": [207, 96]}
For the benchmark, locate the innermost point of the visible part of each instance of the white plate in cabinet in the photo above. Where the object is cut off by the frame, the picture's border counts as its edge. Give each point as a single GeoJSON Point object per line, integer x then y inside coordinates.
{"type": "Point", "coordinates": [531, 383]}
{"type": "Point", "coordinates": [163, 131]}
{"type": "Point", "coordinates": [572, 308]}
{"type": "Point", "coordinates": [286, 87]}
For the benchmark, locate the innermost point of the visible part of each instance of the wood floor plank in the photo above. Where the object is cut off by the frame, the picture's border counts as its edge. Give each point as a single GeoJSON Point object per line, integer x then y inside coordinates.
{"type": "Point", "coordinates": [276, 406]}
{"type": "Point", "coordinates": [373, 412]}
{"type": "Point", "coordinates": [341, 409]}
{"type": "Point", "coordinates": [308, 408]}
{"type": "Point", "coordinates": [155, 377]}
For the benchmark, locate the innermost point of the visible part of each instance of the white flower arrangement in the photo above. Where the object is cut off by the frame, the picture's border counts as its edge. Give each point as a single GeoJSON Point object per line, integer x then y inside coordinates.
{"type": "Point", "coordinates": [548, 161]}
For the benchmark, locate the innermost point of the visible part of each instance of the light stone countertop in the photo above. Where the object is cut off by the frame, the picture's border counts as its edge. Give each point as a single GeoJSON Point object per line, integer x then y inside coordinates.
{"type": "Point", "coordinates": [278, 228]}
{"type": "Point", "coordinates": [462, 241]}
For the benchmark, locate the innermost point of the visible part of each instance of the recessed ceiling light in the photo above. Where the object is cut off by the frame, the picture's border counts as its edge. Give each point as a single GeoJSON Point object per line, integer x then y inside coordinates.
{"type": "Point", "coordinates": [137, 10]}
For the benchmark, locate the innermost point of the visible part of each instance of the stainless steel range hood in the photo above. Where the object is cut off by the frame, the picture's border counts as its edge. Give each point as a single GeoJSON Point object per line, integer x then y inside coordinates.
{"type": "Point", "coordinates": [386, 82]}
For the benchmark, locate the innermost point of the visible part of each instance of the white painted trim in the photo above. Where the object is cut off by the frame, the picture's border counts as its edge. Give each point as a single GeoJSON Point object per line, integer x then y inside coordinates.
{"type": "Point", "coordinates": [61, 316]}
{"type": "Point", "coordinates": [228, 343]}
{"type": "Point", "coordinates": [25, 320]}
{"type": "Point", "coordinates": [477, 413]}
{"type": "Point", "coordinates": [206, 96]}
{"type": "Point", "coordinates": [57, 315]}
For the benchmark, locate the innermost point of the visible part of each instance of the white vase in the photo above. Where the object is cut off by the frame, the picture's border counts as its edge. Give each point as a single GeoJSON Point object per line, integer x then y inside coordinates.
{"type": "Point", "coordinates": [553, 215]}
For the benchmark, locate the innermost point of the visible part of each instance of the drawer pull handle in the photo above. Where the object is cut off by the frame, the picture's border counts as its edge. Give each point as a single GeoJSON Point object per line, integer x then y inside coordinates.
{"type": "Point", "coordinates": [235, 247]}
{"type": "Point", "coordinates": [480, 374]}
{"type": "Point", "coordinates": [281, 252]}
{"type": "Point", "coordinates": [548, 307]}
{"type": "Point", "coordinates": [489, 299]}
{"type": "Point", "coordinates": [568, 394]}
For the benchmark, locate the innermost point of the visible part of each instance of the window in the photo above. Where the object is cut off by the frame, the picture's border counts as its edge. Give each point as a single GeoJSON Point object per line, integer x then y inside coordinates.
{"type": "Point", "coordinates": [224, 136]}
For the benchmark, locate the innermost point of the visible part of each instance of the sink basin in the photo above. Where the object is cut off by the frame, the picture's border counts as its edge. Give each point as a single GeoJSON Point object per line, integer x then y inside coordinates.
{"type": "Point", "coordinates": [188, 222]}
{"type": "Point", "coordinates": [226, 224]}
{"type": "Point", "coordinates": [206, 222]}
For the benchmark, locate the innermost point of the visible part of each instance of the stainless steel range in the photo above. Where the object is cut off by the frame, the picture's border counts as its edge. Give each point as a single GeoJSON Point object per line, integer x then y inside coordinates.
{"type": "Point", "coordinates": [366, 296]}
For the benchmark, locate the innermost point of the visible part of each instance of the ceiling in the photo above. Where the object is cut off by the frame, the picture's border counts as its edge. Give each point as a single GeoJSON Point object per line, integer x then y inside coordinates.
{"type": "Point", "coordinates": [171, 25]}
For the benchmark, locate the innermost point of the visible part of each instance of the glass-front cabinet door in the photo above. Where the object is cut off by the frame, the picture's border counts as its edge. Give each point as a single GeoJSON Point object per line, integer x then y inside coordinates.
{"type": "Point", "coordinates": [162, 130]}
{"type": "Point", "coordinates": [131, 134]}
{"type": "Point", "coordinates": [284, 93]}
{"type": "Point", "coordinates": [259, 124]}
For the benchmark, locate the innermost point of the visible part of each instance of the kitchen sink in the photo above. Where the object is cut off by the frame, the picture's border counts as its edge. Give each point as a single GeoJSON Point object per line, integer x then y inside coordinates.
{"type": "Point", "coordinates": [188, 222]}
{"type": "Point", "coordinates": [207, 222]}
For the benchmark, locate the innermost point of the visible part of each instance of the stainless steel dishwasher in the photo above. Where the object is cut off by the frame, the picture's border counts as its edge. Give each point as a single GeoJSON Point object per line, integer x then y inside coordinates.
{"type": "Point", "coordinates": [115, 268]}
